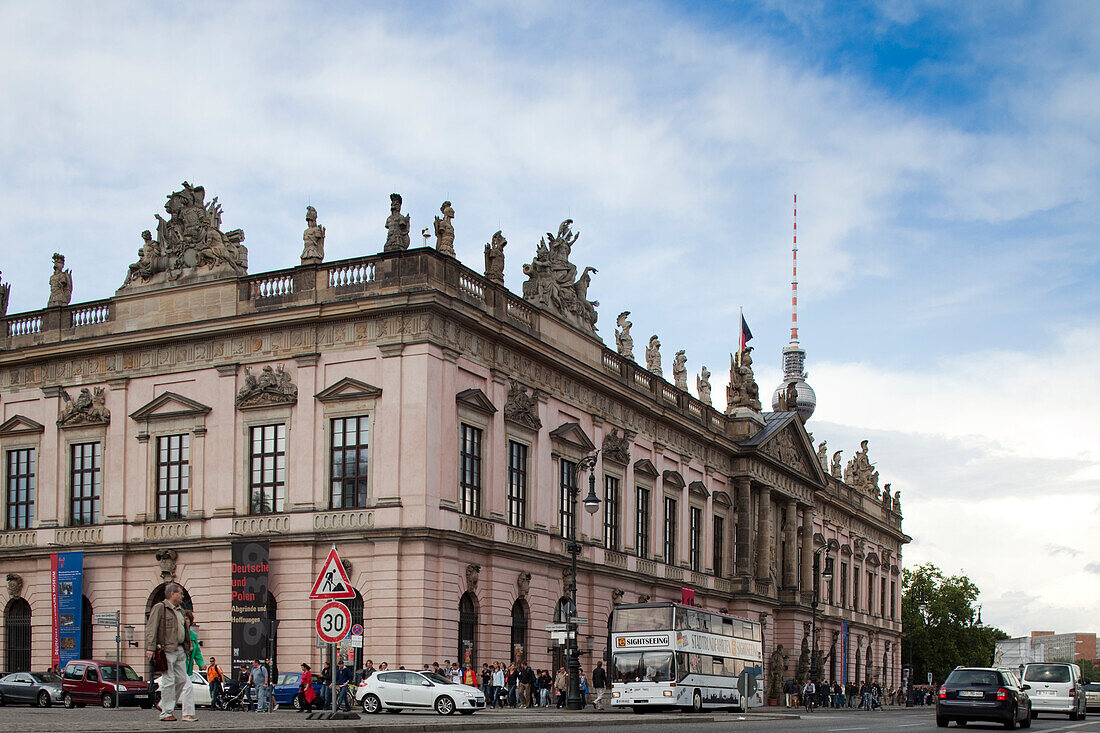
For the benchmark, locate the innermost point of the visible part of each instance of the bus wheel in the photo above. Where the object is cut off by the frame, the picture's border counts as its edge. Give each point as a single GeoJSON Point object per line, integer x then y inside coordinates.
{"type": "Point", "coordinates": [697, 702]}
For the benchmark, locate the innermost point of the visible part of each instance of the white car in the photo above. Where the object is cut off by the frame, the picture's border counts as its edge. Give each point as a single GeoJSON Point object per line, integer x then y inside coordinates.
{"type": "Point", "coordinates": [397, 690]}
{"type": "Point", "coordinates": [202, 689]}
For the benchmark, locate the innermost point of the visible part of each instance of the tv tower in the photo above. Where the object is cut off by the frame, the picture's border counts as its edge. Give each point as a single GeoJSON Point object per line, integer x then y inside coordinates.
{"type": "Point", "coordinates": [794, 357]}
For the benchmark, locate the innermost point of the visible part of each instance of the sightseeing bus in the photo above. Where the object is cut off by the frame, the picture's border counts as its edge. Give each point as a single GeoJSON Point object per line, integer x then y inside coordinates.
{"type": "Point", "coordinates": [668, 655]}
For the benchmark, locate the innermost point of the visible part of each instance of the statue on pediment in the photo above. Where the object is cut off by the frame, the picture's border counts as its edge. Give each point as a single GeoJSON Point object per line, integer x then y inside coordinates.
{"type": "Point", "coordinates": [742, 391]}
{"type": "Point", "coordinates": [397, 227]}
{"type": "Point", "coordinates": [860, 473]}
{"type": "Point", "coordinates": [89, 408]}
{"type": "Point", "coordinates": [521, 407]}
{"type": "Point", "coordinates": [189, 243]}
{"type": "Point", "coordinates": [679, 370]}
{"type": "Point", "coordinates": [624, 342]}
{"type": "Point", "coordinates": [445, 231]}
{"type": "Point", "coordinates": [834, 470]}
{"type": "Point", "coordinates": [897, 502]}
{"type": "Point", "coordinates": [552, 281]}
{"type": "Point", "coordinates": [313, 239]}
{"type": "Point", "coordinates": [494, 258]}
{"type": "Point", "coordinates": [702, 385]}
{"type": "Point", "coordinates": [272, 387]}
{"type": "Point", "coordinates": [823, 456]}
{"type": "Point", "coordinates": [61, 283]}
{"type": "Point", "coordinates": [653, 356]}
{"type": "Point", "coordinates": [5, 292]}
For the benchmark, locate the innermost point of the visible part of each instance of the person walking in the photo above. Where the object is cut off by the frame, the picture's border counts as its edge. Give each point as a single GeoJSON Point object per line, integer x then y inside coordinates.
{"type": "Point", "coordinates": [561, 684]}
{"type": "Point", "coordinates": [527, 681]}
{"type": "Point", "coordinates": [599, 682]}
{"type": "Point", "coordinates": [258, 678]}
{"type": "Point", "coordinates": [166, 630]}
{"type": "Point", "coordinates": [306, 689]}
{"type": "Point", "coordinates": [215, 678]}
{"type": "Point", "coordinates": [326, 686]}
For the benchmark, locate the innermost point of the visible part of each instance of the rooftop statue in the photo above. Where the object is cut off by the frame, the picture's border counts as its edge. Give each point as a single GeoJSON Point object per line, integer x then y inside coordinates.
{"type": "Point", "coordinates": [313, 239]}
{"type": "Point", "coordinates": [189, 243]}
{"type": "Point", "coordinates": [624, 342]}
{"type": "Point", "coordinates": [397, 227]}
{"type": "Point", "coordinates": [61, 283]}
{"type": "Point", "coordinates": [653, 356]}
{"type": "Point", "coordinates": [742, 391]}
{"type": "Point", "coordinates": [5, 293]}
{"type": "Point", "coordinates": [834, 470]}
{"type": "Point", "coordinates": [823, 455]}
{"type": "Point", "coordinates": [494, 258]}
{"type": "Point", "coordinates": [552, 280]}
{"type": "Point", "coordinates": [679, 370]}
{"type": "Point", "coordinates": [445, 231]}
{"type": "Point", "coordinates": [860, 473]}
{"type": "Point", "coordinates": [702, 384]}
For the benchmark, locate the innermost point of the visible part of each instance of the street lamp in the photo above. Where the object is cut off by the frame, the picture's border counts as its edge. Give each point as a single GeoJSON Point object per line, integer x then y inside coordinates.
{"type": "Point", "coordinates": [922, 607]}
{"type": "Point", "coordinates": [574, 700]}
{"type": "Point", "coordinates": [827, 572]}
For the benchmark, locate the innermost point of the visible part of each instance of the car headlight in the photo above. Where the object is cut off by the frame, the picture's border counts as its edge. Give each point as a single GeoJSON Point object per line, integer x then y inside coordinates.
{"type": "Point", "coordinates": [614, 694]}
{"type": "Point", "coordinates": [469, 694]}
{"type": "Point", "coordinates": [668, 693]}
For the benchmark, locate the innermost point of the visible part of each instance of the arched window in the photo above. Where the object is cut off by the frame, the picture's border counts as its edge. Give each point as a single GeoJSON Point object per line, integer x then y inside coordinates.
{"type": "Point", "coordinates": [519, 630]}
{"type": "Point", "coordinates": [17, 628]}
{"type": "Point", "coordinates": [158, 595]}
{"type": "Point", "coordinates": [355, 606]}
{"type": "Point", "coordinates": [467, 628]}
{"type": "Point", "coordinates": [86, 627]}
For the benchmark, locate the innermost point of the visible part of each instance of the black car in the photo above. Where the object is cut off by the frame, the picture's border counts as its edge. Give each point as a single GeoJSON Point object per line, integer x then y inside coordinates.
{"type": "Point", "coordinates": [983, 694]}
{"type": "Point", "coordinates": [34, 688]}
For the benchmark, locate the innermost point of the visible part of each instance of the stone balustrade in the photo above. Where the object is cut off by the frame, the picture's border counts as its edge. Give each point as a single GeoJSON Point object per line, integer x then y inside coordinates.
{"type": "Point", "coordinates": [18, 538]}
{"type": "Point", "coordinates": [268, 524]}
{"type": "Point", "coordinates": [78, 536]}
{"type": "Point", "coordinates": [157, 531]}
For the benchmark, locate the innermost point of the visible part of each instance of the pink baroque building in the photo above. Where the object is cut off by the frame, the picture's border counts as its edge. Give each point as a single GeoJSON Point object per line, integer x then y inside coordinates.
{"type": "Point", "coordinates": [429, 423]}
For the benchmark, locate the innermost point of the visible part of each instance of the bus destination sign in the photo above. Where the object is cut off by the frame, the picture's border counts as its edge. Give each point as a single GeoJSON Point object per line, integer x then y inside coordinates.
{"type": "Point", "coordinates": [642, 641]}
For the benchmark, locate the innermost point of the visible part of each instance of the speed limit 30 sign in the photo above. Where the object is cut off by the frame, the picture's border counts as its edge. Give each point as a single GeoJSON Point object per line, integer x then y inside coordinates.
{"type": "Point", "coordinates": [333, 622]}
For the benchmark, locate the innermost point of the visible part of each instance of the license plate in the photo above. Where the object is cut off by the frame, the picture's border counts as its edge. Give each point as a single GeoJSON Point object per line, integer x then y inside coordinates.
{"type": "Point", "coordinates": [971, 693]}
{"type": "Point", "coordinates": [1052, 693]}
{"type": "Point", "coordinates": [140, 697]}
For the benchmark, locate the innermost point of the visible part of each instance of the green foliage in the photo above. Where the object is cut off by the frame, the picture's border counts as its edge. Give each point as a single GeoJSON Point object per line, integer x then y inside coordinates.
{"type": "Point", "coordinates": [946, 635]}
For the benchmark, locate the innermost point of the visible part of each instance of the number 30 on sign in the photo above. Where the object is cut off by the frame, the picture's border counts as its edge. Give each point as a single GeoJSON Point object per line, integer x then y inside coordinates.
{"type": "Point", "coordinates": [333, 622]}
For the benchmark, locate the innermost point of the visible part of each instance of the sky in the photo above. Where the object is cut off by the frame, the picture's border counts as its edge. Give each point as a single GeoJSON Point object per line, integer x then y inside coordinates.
{"type": "Point", "coordinates": [945, 157]}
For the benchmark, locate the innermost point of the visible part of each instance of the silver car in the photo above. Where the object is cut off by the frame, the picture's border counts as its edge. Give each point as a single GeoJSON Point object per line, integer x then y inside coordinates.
{"type": "Point", "coordinates": [1092, 696]}
{"type": "Point", "coordinates": [32, 688]}
{"type": "Point", "coordinates": [400, 689]}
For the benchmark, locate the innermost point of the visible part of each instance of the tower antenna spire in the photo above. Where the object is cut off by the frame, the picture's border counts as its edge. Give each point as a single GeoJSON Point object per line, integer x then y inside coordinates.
{"type": "Point", "coordinates": [794, 277]}
{"type": "Point", "coordinates": [803, 400]}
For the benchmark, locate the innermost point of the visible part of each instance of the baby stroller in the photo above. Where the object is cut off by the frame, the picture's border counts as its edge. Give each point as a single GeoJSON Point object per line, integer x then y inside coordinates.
{"type": "Point", "coordinates": [239, 700]}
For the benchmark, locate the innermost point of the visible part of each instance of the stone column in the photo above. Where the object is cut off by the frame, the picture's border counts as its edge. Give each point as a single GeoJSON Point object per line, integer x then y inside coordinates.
{"type": "Point", "coordinates": [807, 554]}
{"type": "Point", "coordinates": [790, 538]}
{"type": "Point", "coordinates": [763, 534]}
{"type": "Point", "coordinates": [745, 534]}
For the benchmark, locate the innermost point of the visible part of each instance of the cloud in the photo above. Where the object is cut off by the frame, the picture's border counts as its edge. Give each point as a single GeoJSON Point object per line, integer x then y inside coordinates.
{"type": "Point", "coordinates": [1093, 567]}
{"type": "Point", "coordinates": [1054, 550]}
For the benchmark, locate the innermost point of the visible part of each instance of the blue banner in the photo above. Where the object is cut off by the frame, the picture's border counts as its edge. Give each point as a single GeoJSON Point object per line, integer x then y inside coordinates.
{"type": "Point", "coordinates": [68, 604]}
{"type": "Point", "coordinates": [844, 646]}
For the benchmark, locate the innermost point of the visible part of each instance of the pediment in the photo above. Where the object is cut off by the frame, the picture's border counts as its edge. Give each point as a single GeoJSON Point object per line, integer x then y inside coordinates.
{"type": "Point", "coordinates": [721, 498]}
{"type": "Point", "coordinates": [791, 447]}
{"type": "Point", "coordinates": [872, 559]}
{"type": "Point", "coordinates": [697, 488]}
{"type": "Point", "coordinates": [645, 467]}
{"type": "Point", "coordinates": [169, 405]}
{"type": "Point", "coordinates": [476, 399]}
{"type": "Point", "coordinates": [19, 425]}
{"type": "Point", "coordinates": [348, 389]}
{"type": "Point", "coordinates": [673, 478]}
{"type": "Point", "coordinates": [572, 434]}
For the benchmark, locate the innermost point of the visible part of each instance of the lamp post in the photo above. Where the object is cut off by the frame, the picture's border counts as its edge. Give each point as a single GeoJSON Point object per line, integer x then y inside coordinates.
{"type": "Point", "coordinates": [826, 572]}
{"type": "Point", "coordinates": [574, 700]}
{"type": "Point", "coordinates": [922, 607]}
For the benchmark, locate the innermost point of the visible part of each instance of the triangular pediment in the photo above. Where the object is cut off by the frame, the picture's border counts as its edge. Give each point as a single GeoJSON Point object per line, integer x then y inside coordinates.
{"type": "Point", "coordinates": [673, 478]}
{"type": "Point", "coordinates": [697, 488]}
{"type": "Point", "coordinates": [169, 405]}
{"type": "Point", "coordinates": [645, 467]}
{"type": "Point", "coordinates": [572, 434]}
{"type": "Point", "coordinates": [476, 399]}
{"type": "Point", "coordinates": [787, 442]}
{"type": "Point", "coordinates": [19, 425]}
{"type": "Point", "coordinates": [348, 389]}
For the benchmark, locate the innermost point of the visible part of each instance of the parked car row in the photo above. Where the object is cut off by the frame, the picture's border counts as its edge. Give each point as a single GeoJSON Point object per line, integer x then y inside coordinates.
{"type": "Point", "coordinates": [986, 694]}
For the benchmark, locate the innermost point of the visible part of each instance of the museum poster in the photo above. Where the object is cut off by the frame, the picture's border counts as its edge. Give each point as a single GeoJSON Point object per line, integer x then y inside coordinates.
{"type": "Point", "coordinates": [249, 602]}
{"type": "Point", "coordinates": [67, 592]}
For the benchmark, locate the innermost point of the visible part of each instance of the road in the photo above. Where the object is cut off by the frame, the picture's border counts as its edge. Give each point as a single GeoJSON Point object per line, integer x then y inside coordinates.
{"type": "Point", "coordinates": [912, 720]}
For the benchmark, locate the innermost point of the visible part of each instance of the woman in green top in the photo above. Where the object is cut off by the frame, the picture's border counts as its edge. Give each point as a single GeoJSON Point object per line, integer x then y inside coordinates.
{"type": "Point", "coordinates": [195, 660]}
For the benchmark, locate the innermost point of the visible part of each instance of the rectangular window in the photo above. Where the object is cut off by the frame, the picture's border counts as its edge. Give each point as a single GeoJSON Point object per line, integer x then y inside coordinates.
{"type": "Point", "coordinates": [173, 476]}
{"type": "Point", "coordinates": [517, 484]}
{"type": "Point", "coordinates": [670, 531]}
{"type": "Point", "coordinates": [855, 589]}
{"type": "Point", "coordinates": [267, 479]}
{"type": "Point", "coordinates": [470, 470]}
{"type": "Point", "coordinates": [610, 512]}
{"type": "Point", "coordinates": [568, 486]}
{"type": "Point", "coordinates": [21, 486]}
{"type": "Point", "coordinates": [719, 544]}
{"type": "Point", "coordinates": [695, 538]}
{"type": "Point", "coordinates": [893, 599]}
{"type": "Point", "coordinates": [882, 598]}
{"type": "Point", "coordinates": [843, 585]}
{"type": "Point", "coordinates": [350, 461]}
{"type": "Point", "coordinates": [85, 481]}
{"type": "Point", "coordinates": [641, 522]}
{"type": "Point", "coordinates": [870, 591]}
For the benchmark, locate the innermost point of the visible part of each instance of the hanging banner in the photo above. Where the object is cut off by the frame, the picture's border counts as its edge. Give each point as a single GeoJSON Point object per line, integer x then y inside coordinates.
{"type": "Point", "coordinates": [844, 646]}
{"type": "Point", "coordinates": [67, 594]}
{"type": "Point", "coordinates": [248, 604]}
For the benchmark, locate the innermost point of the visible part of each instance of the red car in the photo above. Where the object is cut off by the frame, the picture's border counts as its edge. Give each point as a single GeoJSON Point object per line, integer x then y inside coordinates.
{"type": "Point", "coordinates": [86, 681]}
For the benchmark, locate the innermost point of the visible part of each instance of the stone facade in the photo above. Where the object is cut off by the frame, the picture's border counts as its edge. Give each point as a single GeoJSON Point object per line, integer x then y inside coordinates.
{"type": "Point", "coordinates": [428, 353]}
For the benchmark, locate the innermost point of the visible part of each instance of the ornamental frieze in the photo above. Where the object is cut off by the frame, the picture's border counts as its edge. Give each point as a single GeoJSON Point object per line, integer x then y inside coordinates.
{"type": "Point", "coordinates": [783, 449]}
{"type": "Point", "coordinates": [858, 527]}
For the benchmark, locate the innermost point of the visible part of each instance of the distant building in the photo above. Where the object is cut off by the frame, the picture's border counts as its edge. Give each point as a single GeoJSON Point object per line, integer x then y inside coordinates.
{"type": "Point", "coordinates": [1045, 646]}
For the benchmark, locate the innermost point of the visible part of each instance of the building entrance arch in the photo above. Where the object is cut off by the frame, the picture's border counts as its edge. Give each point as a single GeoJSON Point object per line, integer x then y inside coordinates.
{"type": "Point", "coordinates": [467, 629]}
{"type": "Point", "coordinates": [17, 633]}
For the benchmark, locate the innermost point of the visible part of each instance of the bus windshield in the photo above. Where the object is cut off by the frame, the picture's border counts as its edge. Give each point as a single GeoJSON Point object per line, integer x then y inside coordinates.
{"type": "Point", "coordinates": [642, 619]}
{"type": "Point", "coordinates": [642, 667]}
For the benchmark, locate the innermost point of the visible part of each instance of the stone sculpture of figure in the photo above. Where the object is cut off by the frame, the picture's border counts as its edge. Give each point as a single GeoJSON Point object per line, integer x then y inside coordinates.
{"type": "Point", "coordinates": [5, 291]}
{"type": "Point", "coordinates": [313, 238]}
{"type": "Point", "coordinates": [860, 473]}
{"type": "Point", "coordinates": [272, 387]}
{"type": "Point", "coordinates": [617, 596]}
{"type": "Point", "coordinates": [445, 231]}
{"type": "Point", "coordinates": [494, 258]}
{"type": "Point", "coordinates": [897, 502]}
{"type": "Point", "coordinates": [61, 283]}
{"type": "Point", "coordinates": [624, 342]}
{"type": "Point", "coordinates": [616, 446]}
{"type": "Point", "coordinates": [643, 598]}
{"type": "Point", "coordinates": [15, 585]}
{"type": "Point", "coordinates": [89, 408]}
{"type": "Point", "coordinates": [777, 662]}
{"type": "Point", "coordinates": [148, 257]}
{"type": "Point", "coordinates": [473, 572]}
{"type": "Point", "coordinates": [167, 560]}
{"type": "Point", "coordinates": [552, 280]}
{"type": "Point", "coordinates": [523, 583]}
{"type": "Point", "coordinates": [653, 356]}
{"type": "Point", "coordinates": [522, 407]}
{"type": "Point", "coordinates": [886, 497]}
{"type": "Point", "coordinates": [835, 469]}
{"type": "Point", "coordinates": [702, 384]}
{"type": "Point", "coordinates": [397, 226]}
{"type": "Point", "coordinates": [679, 370]}
{"type": "Point", "coordinates": [823, 456]}
{"type": "Point", "coordinates": [789, 401]}
{"type": "Point", "coordinates": [743, 391]}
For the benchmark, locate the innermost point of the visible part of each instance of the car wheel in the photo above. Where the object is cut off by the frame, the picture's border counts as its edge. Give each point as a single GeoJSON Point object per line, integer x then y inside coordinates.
{"type": "Point", "coordinates": [67, 701]}
{"type": "Point", "coordinates": [941, 722]}
{"type": "Point", "coordinates": [371, 704]}
{"type": "Point", "coordinates": [44, 699]}
{"type": "Point", "coordinates": [444, 705]}
{"type": "Point", "coordinates": [108, 700]}
{"type": "Point", "coordinates": [697, 702]}
{"type": "Point", "coordinates": [296, 702]}
{"type": "Point", "coordinates": [1026, 722]}
{"type": "Point", "coordinates": [1010, 724]}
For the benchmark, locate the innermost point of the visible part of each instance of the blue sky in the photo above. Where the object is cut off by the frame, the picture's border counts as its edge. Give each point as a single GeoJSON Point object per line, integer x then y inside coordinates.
{"type": "Point", "coordinates": [945, 156]}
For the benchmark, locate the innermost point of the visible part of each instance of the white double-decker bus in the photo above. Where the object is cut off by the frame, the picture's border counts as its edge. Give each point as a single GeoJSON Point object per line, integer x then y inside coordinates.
{"type": "Point", "coordinates": [666, 655]}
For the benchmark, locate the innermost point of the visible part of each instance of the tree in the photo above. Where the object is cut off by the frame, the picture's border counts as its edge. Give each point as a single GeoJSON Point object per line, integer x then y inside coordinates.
{"type": "Point", "coordinates": [941, 628]}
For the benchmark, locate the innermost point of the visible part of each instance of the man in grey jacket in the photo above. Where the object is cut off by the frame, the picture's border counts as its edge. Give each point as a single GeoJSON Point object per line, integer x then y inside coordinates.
{"type": "Point", "coordinates": [258, 677]}
{"type": "Point", "coordinates": [167, 629]}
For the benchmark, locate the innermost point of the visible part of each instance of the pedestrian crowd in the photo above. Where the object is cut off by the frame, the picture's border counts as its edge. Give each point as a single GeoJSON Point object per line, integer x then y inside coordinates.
{"type": "Point", "coordinates": [867, 696]}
